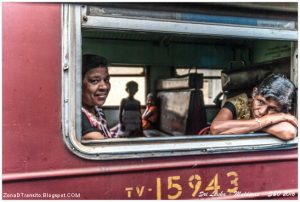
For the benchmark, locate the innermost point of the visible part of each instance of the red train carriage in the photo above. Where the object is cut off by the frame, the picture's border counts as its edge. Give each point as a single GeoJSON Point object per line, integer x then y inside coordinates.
{"type": "Point", "coordinates": [43, 155]}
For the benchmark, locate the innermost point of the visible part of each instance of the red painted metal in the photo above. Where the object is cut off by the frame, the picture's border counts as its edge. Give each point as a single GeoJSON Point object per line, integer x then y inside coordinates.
{"type": "Point", "coordinates": [258, 195]}
{"type": "Point", "coordinates": [35, 159]}
{"type": "Point", "coordinates": [253, 178]}
{"type": "Point", "coordinates": [146, 167]}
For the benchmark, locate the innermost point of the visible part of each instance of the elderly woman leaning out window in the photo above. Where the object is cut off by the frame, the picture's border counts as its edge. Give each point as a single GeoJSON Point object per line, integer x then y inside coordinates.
{"type": "Point", "coordinates": [268, 111]}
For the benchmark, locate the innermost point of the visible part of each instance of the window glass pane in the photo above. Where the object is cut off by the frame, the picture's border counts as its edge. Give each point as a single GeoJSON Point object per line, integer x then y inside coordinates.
{"type": "Point", "coordinates": [125, 70]}
{"type": "Point", "coordinates": [211, 88]}
{"type": "Point", "coordinates": [118, 92]}
{"type": "Point", "coordinates": [205, 72]}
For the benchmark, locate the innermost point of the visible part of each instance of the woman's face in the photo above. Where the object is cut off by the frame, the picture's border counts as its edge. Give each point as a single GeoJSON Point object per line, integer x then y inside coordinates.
{"type": "Point", "coordinates": [150, 101]}
{"type": "Point", "coordinates": [262, 107]}
{"type": "Point", "coordinates": [95, 87]}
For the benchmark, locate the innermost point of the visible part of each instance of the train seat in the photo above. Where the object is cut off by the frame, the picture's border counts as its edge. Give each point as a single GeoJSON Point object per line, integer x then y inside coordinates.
{"type": "Point", "coordinates": [182, 109]}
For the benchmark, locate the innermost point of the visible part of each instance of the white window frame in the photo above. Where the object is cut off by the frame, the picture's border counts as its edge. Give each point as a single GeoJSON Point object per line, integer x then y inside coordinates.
{"type": "Point", "coordinates": [73, 20]}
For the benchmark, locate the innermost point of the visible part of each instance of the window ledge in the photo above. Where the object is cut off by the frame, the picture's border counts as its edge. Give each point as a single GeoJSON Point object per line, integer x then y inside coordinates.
{"type": "Point", "coordinates": [182, 145]}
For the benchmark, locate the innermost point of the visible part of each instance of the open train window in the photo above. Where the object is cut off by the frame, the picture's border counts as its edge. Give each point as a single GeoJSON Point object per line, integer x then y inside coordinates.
{"type": "Point", "coordinates": [88, 28]}
{"type": "Point", "coordinates": [119, 76]}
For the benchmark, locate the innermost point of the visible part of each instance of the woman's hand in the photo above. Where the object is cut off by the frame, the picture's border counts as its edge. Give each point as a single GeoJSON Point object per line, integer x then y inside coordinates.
{"type": "Point", "coordinates": [93, 136]}
{"type": "Point", "coordinates": [292, 119]}
{"type": "Point", "coordinates": [271, 119]}
{"type": "Point", "coordinates": [281, 125]}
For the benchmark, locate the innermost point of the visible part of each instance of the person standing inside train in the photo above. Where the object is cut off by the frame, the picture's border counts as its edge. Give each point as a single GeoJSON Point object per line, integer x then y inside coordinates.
{"type": "Point", "coordinates": [269, 110]}
{"type": "Point", "coordinates": [130, 113]}
{"type": "Point", "coordinates": [95, 89]}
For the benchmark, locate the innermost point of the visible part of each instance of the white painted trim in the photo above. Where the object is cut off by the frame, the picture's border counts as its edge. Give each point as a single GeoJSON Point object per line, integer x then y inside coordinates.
{"type": "Point", "coordinates": [195, 29]}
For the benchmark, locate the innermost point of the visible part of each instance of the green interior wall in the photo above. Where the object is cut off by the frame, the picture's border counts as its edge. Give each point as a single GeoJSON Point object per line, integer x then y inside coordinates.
{"type": "Point", "coordinates": [160, 58]}
{"type": "Point", "coordinates": [151, 53]}
{"type": "Point", "coordinates": [264, 51]}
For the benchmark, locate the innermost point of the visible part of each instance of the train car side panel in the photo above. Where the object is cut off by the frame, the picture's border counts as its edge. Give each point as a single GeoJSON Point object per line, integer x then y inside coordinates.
{"type": "Point", "coordinates": [239, 181]}
{"type": "Point", "coordinates": [31, 87]}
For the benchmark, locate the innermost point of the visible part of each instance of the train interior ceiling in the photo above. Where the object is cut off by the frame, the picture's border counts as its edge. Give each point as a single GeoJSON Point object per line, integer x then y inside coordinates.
{"type": "Point", "coordinates": [165, 57]}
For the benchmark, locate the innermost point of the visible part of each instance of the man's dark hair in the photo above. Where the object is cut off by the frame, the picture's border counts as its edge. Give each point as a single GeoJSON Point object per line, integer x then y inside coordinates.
{"type": "Point", "coordinates": [90, 61]}
{"type": "Point", "coordinates": [278, 88]}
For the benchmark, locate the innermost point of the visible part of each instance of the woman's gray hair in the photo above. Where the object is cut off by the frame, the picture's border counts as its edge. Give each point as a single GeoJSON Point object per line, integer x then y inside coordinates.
{"type": "Point", "coordinates": [278, 88]}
